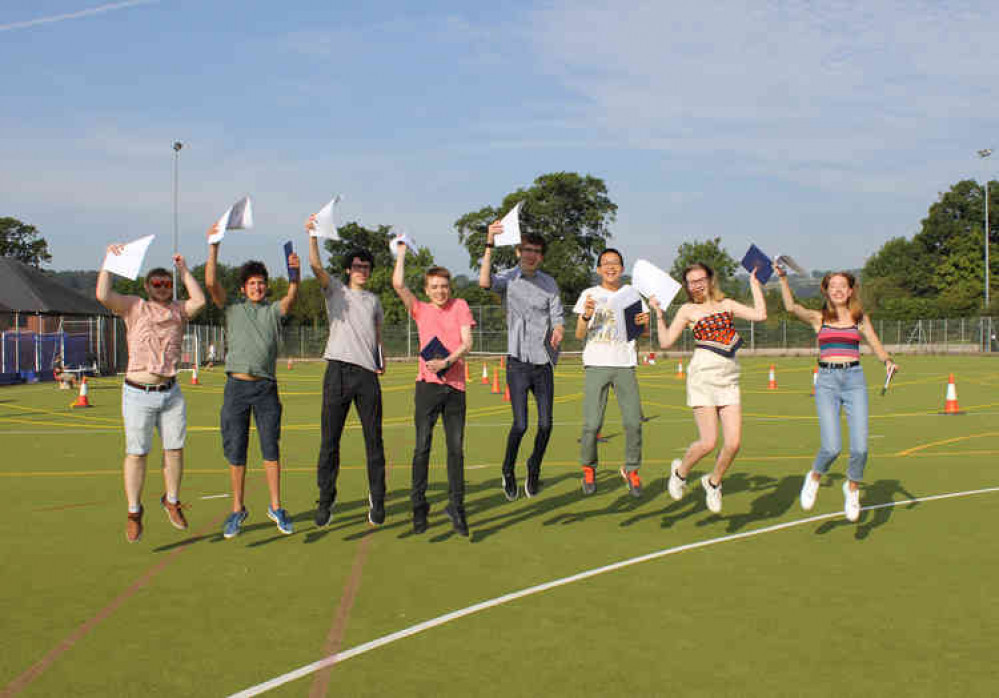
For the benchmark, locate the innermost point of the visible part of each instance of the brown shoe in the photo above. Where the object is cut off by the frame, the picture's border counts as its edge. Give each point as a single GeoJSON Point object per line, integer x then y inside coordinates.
{"type": "Point", "coordinates": [175, 513]}
{"type": "Point", "coordinates": [133, 529]}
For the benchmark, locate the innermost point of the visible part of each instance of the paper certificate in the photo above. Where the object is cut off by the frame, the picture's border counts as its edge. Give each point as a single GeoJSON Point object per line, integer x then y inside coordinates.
{"type": "Point", "coordinates": [327, 221]}
{"type": "Point", "coordinates": [650, 281]}
{"type": "Point", "coordinates": [239, 216]}
{"type": "Point", "coordinates": [129, 262]}
{"type": "Point", "coordinates": [511, 228]}
{"type": "Point", "coordinates": [623, 304]}
{"type": "Point", "coordinates": [402, 237]}
{"type": "Point", "coordinates": [786, 260]}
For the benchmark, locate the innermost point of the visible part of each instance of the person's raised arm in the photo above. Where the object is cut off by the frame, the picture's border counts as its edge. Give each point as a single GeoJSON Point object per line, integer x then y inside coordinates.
{"type": "Point", "coordinates": [212, 283]}
{"type": "Point", "coordinates": [315, 261]}
{"type": "Point", "coordinates": [399, 278]}
{"type": "Point", "coordinates": [486, 270]}
{"type": "Point", "coordinates": [195, 296]}
{"type": "Point", "coordinates": [668, 335]}
{"type": "Point", "coordinates": [758, 313]}
{"type": "Point", "coordinates": [294, 264]}
{"type": "Point", "coordinates": [812, 317]}
{"type": "Point", "coordinates": [115, 302]}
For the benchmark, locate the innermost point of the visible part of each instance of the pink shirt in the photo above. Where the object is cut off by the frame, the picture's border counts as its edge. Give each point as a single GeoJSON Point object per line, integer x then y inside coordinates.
{"type": "Point", "coordinates": [445, 324]}
{"type": "Point", "coordinates": [155, 334]}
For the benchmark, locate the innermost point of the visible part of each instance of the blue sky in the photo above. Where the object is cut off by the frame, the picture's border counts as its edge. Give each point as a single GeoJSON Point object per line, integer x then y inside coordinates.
{"type": "Point", "coordinates": [818, 130]}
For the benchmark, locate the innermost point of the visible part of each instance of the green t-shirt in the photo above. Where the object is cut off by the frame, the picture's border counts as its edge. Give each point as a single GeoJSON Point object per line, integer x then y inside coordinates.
{"type": "Point", "coordinates": [253, 333]}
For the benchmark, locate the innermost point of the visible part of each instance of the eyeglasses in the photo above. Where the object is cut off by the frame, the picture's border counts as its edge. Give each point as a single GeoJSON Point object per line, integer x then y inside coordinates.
{"type": "Point", "coordinates": [360, 267]}
{"type": "Point", "coordinates": [532, 250]}
{"type": "Point", "coordinates": [701, 281]}
{"type": "Point", "coordinates": [611, 264]}
{"type": "Point", "coordinates": [161, 283]}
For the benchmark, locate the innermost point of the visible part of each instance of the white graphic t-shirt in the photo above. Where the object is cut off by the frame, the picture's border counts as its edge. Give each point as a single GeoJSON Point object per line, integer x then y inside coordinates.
{"type": "Point", "coordinates": [603, 348]}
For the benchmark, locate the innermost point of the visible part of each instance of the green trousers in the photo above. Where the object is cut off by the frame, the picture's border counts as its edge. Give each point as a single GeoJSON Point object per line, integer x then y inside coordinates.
{"type": "Point", "coordinates": [599, 380]}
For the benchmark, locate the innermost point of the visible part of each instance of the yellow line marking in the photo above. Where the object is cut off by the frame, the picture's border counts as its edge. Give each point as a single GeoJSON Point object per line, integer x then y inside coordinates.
{"type": "Point", "coordinates": [943, 442]}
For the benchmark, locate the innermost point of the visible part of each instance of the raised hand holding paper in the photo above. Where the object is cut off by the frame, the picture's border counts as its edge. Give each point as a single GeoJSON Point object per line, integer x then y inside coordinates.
{"type": "Point", "coordinates": [786, 260]}
{"type": "Point", "coordinates": [651, 281]}
{"type": "Point", "coordinates": [326, 221]}
{"type": "Point", "coordinates": [755, 259]}
{"type": "Point", "coordinates": [239, 216]}
{"type": "Point", "coordinates": [129, 261]}
{"type": "Point", "coordinates": [511, 228]}
{"type": "Point", "coordinates": [405, 238]}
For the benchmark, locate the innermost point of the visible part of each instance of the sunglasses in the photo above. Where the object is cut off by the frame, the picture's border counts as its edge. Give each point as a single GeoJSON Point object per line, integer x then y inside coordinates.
{"type": "Point", "coordinates": [161, 283]}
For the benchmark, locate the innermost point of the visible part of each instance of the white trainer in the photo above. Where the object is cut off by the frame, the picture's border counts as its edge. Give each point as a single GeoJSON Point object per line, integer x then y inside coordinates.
{"type": "Point", "coordinates": [809, 491]}
{"type": "Point", "coordinates": [851, 502]}
{"type": "Point", "coordinates": [712, 494]}
{"type": "Point", "coordinates": [676, 484]}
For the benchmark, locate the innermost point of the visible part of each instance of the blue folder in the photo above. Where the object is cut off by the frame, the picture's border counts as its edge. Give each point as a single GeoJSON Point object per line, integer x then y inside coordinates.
{"type": "Point", "coordinates": [435, 349]}
{"type": "Point", "coordinates": [755, 259]}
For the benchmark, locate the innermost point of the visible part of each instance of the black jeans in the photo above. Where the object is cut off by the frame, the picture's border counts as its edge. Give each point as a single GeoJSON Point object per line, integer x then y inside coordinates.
{"type": "Point", "coordinates": [522, 378]}
{"type": "Point", "coordinates": [429, 401]}
{"type": "Point", "coordinates": [345, 383]}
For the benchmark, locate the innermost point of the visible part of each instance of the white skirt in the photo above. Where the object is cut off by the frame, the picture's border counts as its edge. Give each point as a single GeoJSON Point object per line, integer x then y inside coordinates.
{"type": "Point", "coordinates": [712, 380]}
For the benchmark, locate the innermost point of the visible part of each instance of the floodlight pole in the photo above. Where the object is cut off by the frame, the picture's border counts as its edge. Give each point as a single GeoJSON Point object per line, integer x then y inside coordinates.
{"type": "Point", "coordinates": [177, 145]}
{"type": "Point", "coordinates": [984, 153]}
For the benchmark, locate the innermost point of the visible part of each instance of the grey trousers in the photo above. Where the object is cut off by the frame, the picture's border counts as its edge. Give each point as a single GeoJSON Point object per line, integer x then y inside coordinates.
{"type": "Point", "coordinates": [599, 380]}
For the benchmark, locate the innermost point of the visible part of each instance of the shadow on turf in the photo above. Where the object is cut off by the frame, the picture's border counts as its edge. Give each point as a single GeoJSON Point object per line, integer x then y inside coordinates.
{"type": "Point", "coordinates": [878, 492]}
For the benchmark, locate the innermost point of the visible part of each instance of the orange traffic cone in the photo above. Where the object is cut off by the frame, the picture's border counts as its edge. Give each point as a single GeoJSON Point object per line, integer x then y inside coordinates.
{"type": "Point", "coordinates": [815, 379]}
{"type": "Point", "coordinates": [82, 399]}
{"type": "Point", "coordinates": [679, 369]}
{"type": "Point", "coordinates": [194, 376]}
{"type": "Point", "coordinates": [506, 394]}
{"type": "Point", "coordinates": [772, 382]}
{"type": "Point", "coordinates": [496, 389]}
{"type": "Point", "coordinates": [502, 361]}
{"type": "Point", "coordinates": [289, 364]}
{"type": "Point", "coordinates": [950, 405]}
{"type": "Point", "coordinates": [485, 374]}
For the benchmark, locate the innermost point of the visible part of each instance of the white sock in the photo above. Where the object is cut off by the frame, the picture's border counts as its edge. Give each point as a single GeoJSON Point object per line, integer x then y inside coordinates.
{"type": "Point", "coordinates": [172, 498]}
{"type": "Point", "coordinates": [134, 509]}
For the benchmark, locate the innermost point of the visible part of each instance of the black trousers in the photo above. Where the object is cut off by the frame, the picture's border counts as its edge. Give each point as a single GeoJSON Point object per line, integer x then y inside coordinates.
{"type": "Point", "coordinates": [523, 378]}
{"type": "Point", "coordinates": [343, 384]}
{"type": "Point", "coordinates": [430, 400]}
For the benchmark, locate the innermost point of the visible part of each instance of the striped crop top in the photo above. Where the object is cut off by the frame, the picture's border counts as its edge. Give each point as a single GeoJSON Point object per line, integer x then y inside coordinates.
{"type": "Point", "coordinates": [839, 343]}
{"type": "Point", "coordinates": [715, 333]}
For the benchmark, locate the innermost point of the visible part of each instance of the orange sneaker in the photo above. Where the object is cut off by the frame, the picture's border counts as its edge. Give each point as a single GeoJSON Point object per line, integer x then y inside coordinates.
{"type": "Point", "coordinates": [589, 479]}
{"type": "Point", "coordinates": [133, 529]}
{"type": "Point", "coordinates": [175, 513]}
{"type": "Point", "coordinates": [633, 482]}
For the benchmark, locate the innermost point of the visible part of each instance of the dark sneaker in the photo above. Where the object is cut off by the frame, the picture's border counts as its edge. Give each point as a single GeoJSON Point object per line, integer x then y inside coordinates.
{"type": "Point", "coordinates": [633, 482]}
{"type": "Point", "coordinates": [458, 522]}
{"type": "Point", "coordinates": [510, 486]}
{"type": "Point", "coordinates": [133, 529]}
{"type": "Point", "coordinates": [420, 518]}
{"type": "Point", "coordinates": [324, 513]}
{"type": "Point", "coordinates": [281, 518]}
{"type": "Point", "coordinates": [234, 522]}
{"type": "Point", "coordinates": [175, 513]}
{"type": "Point", "coordinates": [376, 511]}
{"type": "Point", "coordinates": [589, 479]}
{"type": "Point", "coordinates": [532, 485]}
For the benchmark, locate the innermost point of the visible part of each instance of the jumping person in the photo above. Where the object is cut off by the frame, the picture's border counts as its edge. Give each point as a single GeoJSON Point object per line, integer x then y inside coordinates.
{"type": "Point", "coordinates": [150, 396]}
{"type": "Point", "coordinates": [713, 374]}
{"type": "Point", "coordinates": [609, 361]}
{"type": "Point", "coordinates": [440, 387]}
{"type": "Point", "coordinates": [253, 333]}
{"type": "Point", "coordinates": [840, 383]}
{"type": "Point", "coordinates": [534, 332]}
{"type": "Point", "coordinates": [354, 360]}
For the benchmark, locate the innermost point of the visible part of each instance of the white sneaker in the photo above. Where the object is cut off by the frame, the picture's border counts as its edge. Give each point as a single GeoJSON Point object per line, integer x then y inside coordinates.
{"type": "Point", "coordinates": [809, 491]}
{"type": "Point", "coordinates": [676, 484]}
{"type": "Point", "coordinates": [712, 494]}
{"type": "Point", "coordinates": [851, 502]}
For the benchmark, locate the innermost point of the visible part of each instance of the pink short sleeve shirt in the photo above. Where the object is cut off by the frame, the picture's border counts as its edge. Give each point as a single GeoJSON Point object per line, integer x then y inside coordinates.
{"type": "Point", "coordinates": [445, 323]}
{"type": "Point", "coordinates": [155, 335]}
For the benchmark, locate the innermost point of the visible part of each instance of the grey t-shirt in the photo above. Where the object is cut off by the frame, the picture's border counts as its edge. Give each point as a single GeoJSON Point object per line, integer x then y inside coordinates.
{"type": "Point", "coordinates": [354, 318]}
{"type": "Point", "coordinates": [533, 309]}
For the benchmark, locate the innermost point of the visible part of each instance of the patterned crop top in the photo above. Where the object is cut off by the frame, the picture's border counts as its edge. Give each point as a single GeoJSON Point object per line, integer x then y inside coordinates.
{"type": "Point", "coordinates": [839, 343]}
{"type": "Point", "coordinates": [715, 333]}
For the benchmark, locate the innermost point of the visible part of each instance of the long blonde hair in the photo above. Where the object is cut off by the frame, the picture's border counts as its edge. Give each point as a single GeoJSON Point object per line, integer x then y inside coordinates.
{"type": "Point", "coordinates": [854, 305]}
{"type": "Point", "coordinates": [714, 293]}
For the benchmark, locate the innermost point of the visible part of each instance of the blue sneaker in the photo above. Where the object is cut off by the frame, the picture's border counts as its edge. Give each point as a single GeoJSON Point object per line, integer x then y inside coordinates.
{"type": "Point", "coordinates": [233, 522]}
{"type": "Point", "coordinates": [280, 517]}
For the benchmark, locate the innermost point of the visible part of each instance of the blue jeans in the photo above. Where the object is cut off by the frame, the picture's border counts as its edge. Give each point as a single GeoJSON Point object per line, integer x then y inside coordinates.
{"type": "Point", "coordinates": [843, 388]}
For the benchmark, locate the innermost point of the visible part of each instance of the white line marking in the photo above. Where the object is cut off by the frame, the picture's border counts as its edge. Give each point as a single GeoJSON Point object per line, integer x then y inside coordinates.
{"type": "Point", "coordinates": [214, 496]}
{"type": "Point", "coordinates": [529, 591]}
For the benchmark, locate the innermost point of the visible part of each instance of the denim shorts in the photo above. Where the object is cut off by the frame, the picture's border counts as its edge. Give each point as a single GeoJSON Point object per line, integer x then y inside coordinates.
{"type": "Point", "coordinates": [239, 399]}
{"type": "Point", "coordinates": [143, 411]}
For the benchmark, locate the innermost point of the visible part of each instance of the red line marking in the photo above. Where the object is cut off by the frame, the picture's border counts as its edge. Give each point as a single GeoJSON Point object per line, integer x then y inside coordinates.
{"type": "Point", "coordinates": [63, 507]}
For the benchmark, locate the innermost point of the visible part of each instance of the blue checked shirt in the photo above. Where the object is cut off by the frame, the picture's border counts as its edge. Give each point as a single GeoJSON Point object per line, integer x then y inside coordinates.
{"type": "Point", "coordinates": [533, 309]}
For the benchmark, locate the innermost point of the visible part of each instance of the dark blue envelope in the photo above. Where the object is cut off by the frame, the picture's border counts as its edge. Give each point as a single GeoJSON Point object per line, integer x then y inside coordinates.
{"type": "Point", "coordinates": [755, 259]}
{"type": "Point", "coordinates": [435, 349]}
{"type": "Point", "coordinates": [293, 274]}
{"type": "Point", "coordinates": [632, 328]}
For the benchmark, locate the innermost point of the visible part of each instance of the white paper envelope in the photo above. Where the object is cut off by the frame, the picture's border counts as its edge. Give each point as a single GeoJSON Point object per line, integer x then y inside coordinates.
{"type": "Point", "coordinates": [406, 238]}
{"type": "Point", "coordinates": [326, 221]}
{"type": "Point", "coordinates": [650, 281]}
{"type": "Point", "coordinates": [129, 262]}
{"type": "Point", "coordinates": [786, 260]}
{"type": "Point", "coordinates": [511, 228]}
{"type": "Point", "coordinates": [239, 216]}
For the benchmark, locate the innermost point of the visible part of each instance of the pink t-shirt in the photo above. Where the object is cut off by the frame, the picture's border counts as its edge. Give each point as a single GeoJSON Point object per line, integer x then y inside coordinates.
{"type": "Point", "coordinates": [155, 334]}
{"type": "Point", "coordinates": [445, 324]}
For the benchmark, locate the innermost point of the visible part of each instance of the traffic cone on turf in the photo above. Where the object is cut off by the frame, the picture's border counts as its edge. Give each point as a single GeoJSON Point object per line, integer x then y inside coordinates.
{"type": "Point", "coordinates": [289, 364]}
{"type": "Point", "coordinates": [815, 379]}
{"type": "Point", "coordinates": [652, 358]}
{"type": "Point", "coordinates": [950, 405]}
{"type": "Point", "coordinates": [496, 389]}
{"type": "Point", "coordinates": [506, 393]}
{"type": "Point", "coordinates": [679, 369]}
{"type": "Point", "coordinates": [194, 376]}
{"type": "Point", "coordinates": [502, 361]}
{"type": "Point", "coordinates": [772, 382]}
{"type": "Point", "coordinates": [485, 374]}
{"type": "Point", "coordinates": [82, 399]}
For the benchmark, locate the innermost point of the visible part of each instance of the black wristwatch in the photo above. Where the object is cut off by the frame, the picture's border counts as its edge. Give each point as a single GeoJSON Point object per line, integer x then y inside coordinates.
{"type": "Point", "coordinates": [490, 245]}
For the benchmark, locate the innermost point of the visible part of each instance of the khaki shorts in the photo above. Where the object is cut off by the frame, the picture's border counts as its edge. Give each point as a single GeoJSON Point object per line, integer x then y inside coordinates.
{"type": "Point", "coordinates": [712, 380]}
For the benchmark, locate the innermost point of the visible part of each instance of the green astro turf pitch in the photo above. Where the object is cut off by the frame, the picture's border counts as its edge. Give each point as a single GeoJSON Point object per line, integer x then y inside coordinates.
{"type": "Point", "coordinates": [765, 600]}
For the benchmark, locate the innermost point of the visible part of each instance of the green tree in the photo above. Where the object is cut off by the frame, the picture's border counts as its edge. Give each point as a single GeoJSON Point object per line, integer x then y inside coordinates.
{"type": "Point", "coordinates": [572, 213]}
{"type": "Point", "coordinates": [708, 252]}
{"type": "Point", "coordinates": [23, 242]}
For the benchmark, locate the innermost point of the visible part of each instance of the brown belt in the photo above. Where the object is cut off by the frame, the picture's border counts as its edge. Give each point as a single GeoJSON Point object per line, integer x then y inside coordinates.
{"type": "Point", "coordinates": [156, 388]}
